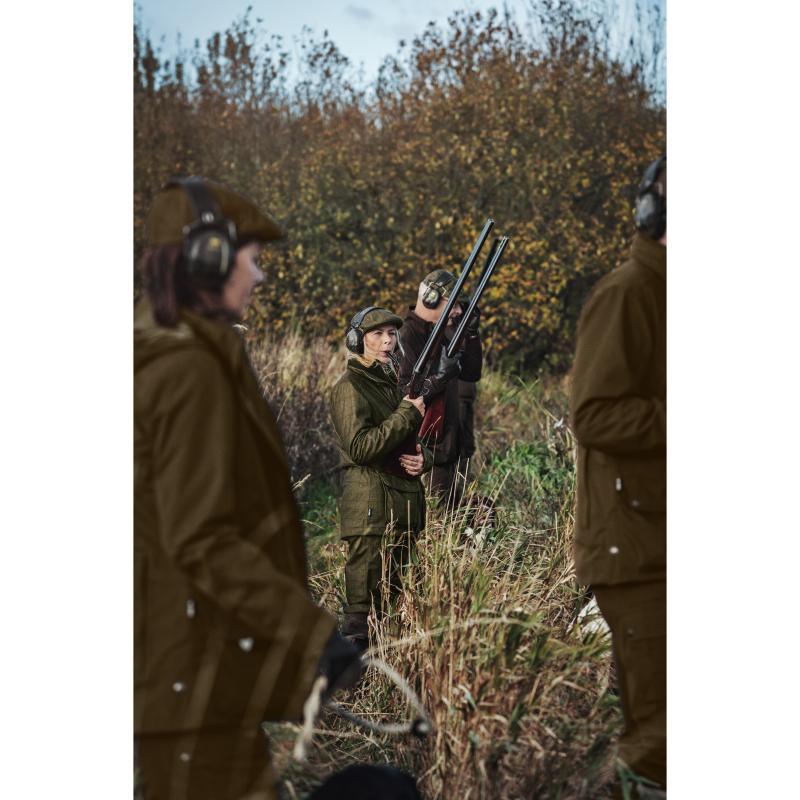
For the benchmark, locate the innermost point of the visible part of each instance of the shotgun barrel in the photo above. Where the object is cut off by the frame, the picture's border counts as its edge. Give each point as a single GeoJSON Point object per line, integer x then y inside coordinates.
{"type": "Point", "coordinates": [418, 374]}
{"type": "Point", "coordinates": [493, 259]}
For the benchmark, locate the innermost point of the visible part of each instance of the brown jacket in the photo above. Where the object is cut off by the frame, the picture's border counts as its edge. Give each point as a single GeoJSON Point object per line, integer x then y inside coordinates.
{"type": "Point", "coordinates": [619, 417]}
{"type": "Point", "coordinates": [225, 632]}
{"type": "Point", "coordinates": [413, 335]}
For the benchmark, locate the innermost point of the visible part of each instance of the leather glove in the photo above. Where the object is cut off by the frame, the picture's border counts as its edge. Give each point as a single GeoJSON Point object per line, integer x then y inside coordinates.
{"type": "Point", "coordinates": [340, 663]}
{"type": "Point", "coordinates": [446, 370]}
{"type": "Point", "coordinates": [474, 320]}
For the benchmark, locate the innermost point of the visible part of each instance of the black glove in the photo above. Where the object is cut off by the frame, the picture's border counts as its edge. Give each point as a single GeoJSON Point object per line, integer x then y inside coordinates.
{"type": "Point", "coordinates": [472, 325]}
{"type": "Point", "coordinates": [446, 370]}
{"type": "Point", "coordinates": [340, 663]}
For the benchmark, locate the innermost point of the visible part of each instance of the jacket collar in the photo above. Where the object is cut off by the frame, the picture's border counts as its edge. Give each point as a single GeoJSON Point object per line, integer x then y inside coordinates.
{"type": "Point", "coordinates": [650, 253]}
{"type": "Point", "coordinates": [220, 336]}
{"type": "Point", "coordinates": [375, 372]}
{"type": "Point", "coordinates": [417, 319]}
{"type": "Point", "coordinates": [226, 344]}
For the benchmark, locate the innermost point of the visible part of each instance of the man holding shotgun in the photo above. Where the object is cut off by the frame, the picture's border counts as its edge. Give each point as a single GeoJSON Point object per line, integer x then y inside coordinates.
{"type": "Point", "coordinates": [453, 367]}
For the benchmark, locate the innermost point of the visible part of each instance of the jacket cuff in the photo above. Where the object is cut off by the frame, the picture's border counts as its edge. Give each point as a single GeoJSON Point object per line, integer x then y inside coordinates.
{"type": "Point", "coordinates": [409, 404]}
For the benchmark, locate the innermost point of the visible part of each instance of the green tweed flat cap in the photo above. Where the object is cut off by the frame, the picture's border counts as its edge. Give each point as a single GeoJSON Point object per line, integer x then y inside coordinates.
{"type": "Point", "coordinates": [442, 279]}
{"type": "Point", "coordinates": [378, 317]}
{"type": "Point", "coordinates": [172, 210]}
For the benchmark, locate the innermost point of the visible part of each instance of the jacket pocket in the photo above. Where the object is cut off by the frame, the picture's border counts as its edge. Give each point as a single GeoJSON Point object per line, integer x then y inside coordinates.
{"type": "Point", "coordinates": [620, 531]}
{"type": "Point", "coordinates": [642, 647]}
{"type": "Point", "coordinates": [641, 484]}
{"type": "Point", "coordinates": [362, 506]}
{"type": "Point", "coordinates": [404, 503]}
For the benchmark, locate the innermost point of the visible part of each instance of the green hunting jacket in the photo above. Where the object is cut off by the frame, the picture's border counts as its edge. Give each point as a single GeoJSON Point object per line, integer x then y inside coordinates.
{"type": "Point", "coordinates": [371, 419]}
{"type": "Point", "coordinates": [619, 416]}
{"type": "Point", "coordinates": [225, 632]}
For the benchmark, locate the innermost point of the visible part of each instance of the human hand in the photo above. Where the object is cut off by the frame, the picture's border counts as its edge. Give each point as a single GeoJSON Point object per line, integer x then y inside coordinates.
{"type": "Point", "coordinates": [448, 367]}
{"type": "Point", "coordinates": [474, 321]}
{"type": "Point", "coordinates": [417, 402]}
{"type": "Point", "coordinates": [413, 464]}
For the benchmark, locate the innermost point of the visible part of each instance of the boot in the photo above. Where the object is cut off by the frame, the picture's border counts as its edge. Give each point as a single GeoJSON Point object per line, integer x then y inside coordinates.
{"type": "Point", "coordinates": [356, 630]}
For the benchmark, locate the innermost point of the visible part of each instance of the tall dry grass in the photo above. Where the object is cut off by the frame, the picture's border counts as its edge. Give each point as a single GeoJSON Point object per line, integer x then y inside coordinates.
{"type": "Point", "coordinates": [522, 701]}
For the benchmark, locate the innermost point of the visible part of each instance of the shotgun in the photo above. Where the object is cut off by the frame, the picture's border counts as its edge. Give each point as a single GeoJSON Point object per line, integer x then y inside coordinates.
{"type": "Point", "coordinates": [409, 446]}
{"type": "Point", "coordinates": [421, 365]}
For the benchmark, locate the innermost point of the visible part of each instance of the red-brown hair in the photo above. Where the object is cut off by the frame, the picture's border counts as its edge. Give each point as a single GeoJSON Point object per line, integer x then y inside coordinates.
{"type": "Point", "coordinates": [170, 288]}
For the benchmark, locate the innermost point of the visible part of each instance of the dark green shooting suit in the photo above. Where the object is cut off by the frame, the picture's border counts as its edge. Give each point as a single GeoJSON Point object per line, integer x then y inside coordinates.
{"type": "Point", "coordinates": [371, 420]}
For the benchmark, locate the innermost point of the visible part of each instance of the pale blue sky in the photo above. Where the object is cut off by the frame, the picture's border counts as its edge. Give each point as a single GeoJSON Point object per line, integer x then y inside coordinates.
{"type": "Point", "coordinates": [366, 31]}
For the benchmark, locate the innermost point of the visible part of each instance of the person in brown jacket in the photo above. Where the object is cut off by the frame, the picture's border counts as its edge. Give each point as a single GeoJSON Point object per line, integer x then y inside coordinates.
{"type": "Point", "coordinates": [619, 417]}
{"type": "Point", "coordinates": [447, 383]}
{"type": "Point", "coordinates": [225, 632]}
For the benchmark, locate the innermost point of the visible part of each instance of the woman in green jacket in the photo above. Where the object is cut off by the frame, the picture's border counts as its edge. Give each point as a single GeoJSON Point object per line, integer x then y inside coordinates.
{"type": "Point", "coordinates": [371, 419]}
{"type": "Point", "coordinates": [225, 632]}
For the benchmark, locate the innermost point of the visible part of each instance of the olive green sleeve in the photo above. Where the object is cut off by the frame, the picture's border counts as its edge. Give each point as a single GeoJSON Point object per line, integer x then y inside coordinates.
{"type": "Point", "coordinates": [364, 442]}
{"type": "Point", "coordinates": [427, 457]}
{"type": "Point", "coordinates": [198, 511]}
{"type": "Point", "coordinates": [610, 407]}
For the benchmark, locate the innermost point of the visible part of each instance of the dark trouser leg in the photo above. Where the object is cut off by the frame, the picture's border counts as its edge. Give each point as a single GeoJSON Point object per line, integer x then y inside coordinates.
{"type": "Point", "coordinates": [219, 765]}
{"type": "Point", "coordinates": [443, 484]}
{"type": "Point", "coordinates": [362, 577]}
{"type": "Point", "coordinates": [637, 616]}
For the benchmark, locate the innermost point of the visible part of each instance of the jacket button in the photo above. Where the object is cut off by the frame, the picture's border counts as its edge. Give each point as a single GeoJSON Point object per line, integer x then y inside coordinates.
{"type": "Point", "coordinates": [178, 686]}
{"type": "Point", "coordinates": [246, 644]}
{"type": "Point", "coordinates": [190, 609]}
{"type": "Point", "coordinates": [185, 757]}
{"type": "Point", "coordinates": [635, 503]}
{"type": "Point", "coordinates": [613, 549]}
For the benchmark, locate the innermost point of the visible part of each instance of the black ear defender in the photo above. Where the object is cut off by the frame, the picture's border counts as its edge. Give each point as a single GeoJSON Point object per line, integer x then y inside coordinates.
{"type": "Point", "coordinates": [433, 295]}
{"type": "Point", "coordinates": [354, 339]}
{"type": "Point", "coordinates": [209, 241]}
{"type": "Point", "coordinates": [651, 204]}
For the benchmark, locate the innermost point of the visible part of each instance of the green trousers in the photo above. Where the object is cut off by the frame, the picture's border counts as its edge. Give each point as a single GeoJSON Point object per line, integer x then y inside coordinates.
{"type": "Point", "coordinates": [365, 569]}
{"type": "Point", "coordinates": [637, 616]}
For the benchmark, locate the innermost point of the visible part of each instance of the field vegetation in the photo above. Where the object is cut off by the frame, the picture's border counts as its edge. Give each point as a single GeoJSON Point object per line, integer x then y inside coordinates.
{"type": "Point", "coordinates": [521, 698]}
{"type": "Point", "coordinates": [541, 127]}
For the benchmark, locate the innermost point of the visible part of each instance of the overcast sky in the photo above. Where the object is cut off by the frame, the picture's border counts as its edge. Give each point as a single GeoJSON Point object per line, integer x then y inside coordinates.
{"type": "Point", "coordinates": [366, 31]}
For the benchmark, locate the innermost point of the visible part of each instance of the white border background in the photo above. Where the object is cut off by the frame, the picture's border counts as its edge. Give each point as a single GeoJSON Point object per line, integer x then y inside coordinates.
{"type": "Point", "coordinates": [65, 568]}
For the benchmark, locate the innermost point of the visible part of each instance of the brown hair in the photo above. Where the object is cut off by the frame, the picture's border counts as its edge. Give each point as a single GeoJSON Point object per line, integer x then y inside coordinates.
{"type": "Point", "coordinates": [170, 288]}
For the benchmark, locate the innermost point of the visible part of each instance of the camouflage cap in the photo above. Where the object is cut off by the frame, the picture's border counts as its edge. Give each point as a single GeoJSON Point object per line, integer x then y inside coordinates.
{"type": "Point", "coordinates": [442, 279]}
{"type": "Point", "coordinates": [172, 210]}
{"type": "Point", "coordinates": [378, 317]}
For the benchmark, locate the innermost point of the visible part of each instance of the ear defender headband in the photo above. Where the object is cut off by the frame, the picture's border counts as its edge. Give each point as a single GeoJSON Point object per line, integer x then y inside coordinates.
{"type": "Point", "coordinates": [434, 293]}
{"type": "Point", "coordinates": [354, 339]}
{"type": "Point", "coordinates": [651, 205]}
{"type": "Point", "coordinates": [209, 242]}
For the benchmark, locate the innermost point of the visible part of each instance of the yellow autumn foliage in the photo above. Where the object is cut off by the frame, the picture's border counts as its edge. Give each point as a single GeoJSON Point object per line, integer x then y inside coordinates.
{"type": "Point", "coordinates": [378, 185]}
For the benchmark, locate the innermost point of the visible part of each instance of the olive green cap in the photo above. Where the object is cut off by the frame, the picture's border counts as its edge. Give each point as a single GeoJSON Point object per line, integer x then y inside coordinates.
{"type": "Point", "coordinates": [172, 210]}
{"type": "Point", "coordinates": [378, 317]}
{"type": "Point", "coordinates": [443, 279]}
